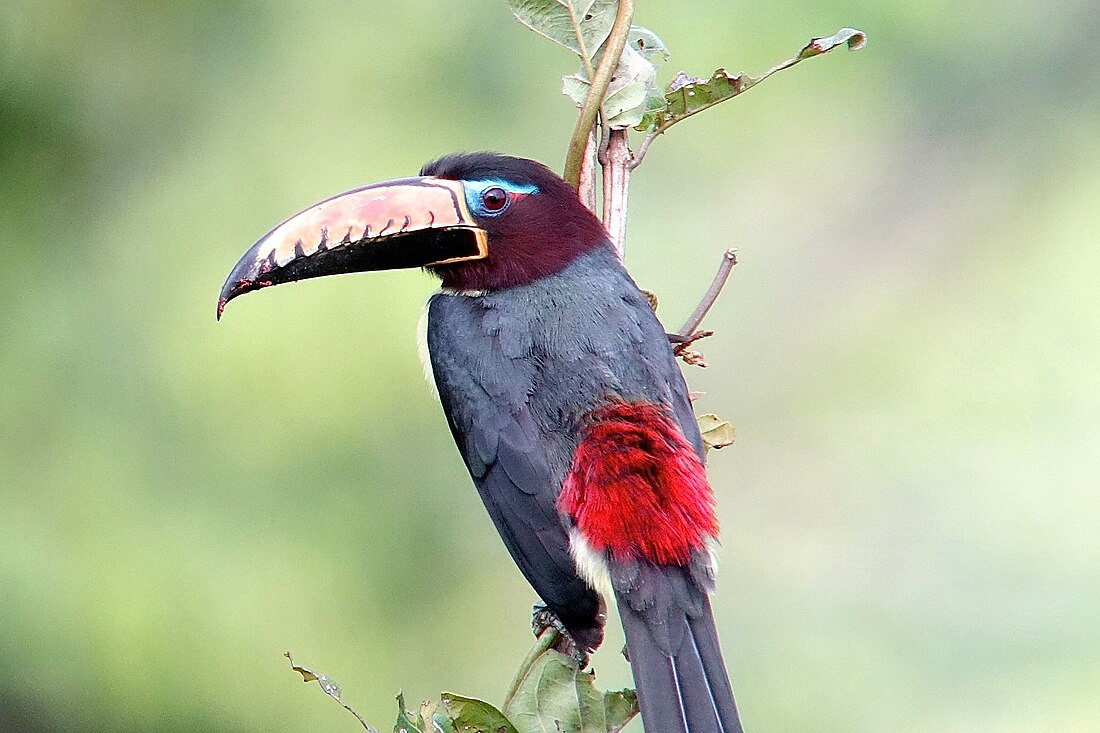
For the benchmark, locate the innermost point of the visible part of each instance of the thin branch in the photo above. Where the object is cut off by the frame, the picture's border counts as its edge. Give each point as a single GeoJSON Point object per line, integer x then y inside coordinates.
{"type": "Point", "coordinates": [616, 188]}
{"type": "Point", "coordinates": [358, 717]}
{"type": "Point", "coordinates": [613, 51]}
{"type": "Point", "coordinates": [642, 149]}
{"type": "Point", "coordinates": [688, 330]}
{"type": "Point", "coordinates": [586, 190]}
{"type": "Point", "coordinates": [605, 136]}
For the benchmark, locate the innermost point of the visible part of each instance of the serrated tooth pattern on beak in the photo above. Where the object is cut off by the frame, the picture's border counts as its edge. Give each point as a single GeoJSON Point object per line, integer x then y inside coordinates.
{"type": "Point", "coordinates": [367, 216]}
{"type": "Point", "coordinates": [366, 213]}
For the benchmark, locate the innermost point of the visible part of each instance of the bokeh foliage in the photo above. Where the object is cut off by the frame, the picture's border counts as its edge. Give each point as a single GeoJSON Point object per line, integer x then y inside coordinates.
{"type": "Point", "coordinates": [909, 350]}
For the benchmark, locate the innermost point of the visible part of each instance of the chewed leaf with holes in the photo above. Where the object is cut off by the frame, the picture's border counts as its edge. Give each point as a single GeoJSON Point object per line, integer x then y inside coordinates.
{"type": "Point", "coordinates": [717, 433]}
{"type": "Point", "coordinates": [852, 38]}
{"type": "Point", "coordinates": [330, 686]}
{"type": "Point", "coordinates": [688, 95]}
{"type": "Point", "coordinates": [647, 43]}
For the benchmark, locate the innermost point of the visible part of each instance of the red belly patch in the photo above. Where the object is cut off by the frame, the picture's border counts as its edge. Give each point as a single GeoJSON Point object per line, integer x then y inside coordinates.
{"type": "Point", "coordinates": [637, 487]}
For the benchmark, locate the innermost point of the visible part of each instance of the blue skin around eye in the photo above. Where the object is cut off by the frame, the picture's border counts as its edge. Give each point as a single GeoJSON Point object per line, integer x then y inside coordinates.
{"type": "Point", "coordinates": [474, 189]}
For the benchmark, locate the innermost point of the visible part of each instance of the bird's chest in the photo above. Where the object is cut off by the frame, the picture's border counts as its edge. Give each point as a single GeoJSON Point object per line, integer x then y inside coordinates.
{"type": "Point", "coordinates": [537, 354]}
{"type": "Point", "coordinates": [541, 358]}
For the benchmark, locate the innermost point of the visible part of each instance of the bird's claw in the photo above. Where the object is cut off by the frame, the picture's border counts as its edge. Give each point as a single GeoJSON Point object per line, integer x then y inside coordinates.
{"type": "Point", "coordinates": [681, 346]}
{"type": "Point", "coordinates": [542, 618]}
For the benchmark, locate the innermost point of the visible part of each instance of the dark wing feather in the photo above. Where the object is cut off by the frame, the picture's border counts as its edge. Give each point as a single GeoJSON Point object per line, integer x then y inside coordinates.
{"type": "Point", "coordinates": [485, 395]}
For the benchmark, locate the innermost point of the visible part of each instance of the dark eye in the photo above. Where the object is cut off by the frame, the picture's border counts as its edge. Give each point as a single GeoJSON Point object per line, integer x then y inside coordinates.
{"type": "Point", "coordinates": [494, 199]}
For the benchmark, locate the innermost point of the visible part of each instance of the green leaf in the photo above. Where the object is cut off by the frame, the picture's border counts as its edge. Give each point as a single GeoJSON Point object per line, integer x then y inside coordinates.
{"type": "Point", "coordinates": [557, 697]}
{"type": "Point", "coordinates": [633, 87]}
{"type": "Point", "coordinates": [575, 86]}
{"type": "Point", "coordinates": [655, 104]}
{"type": "Point", "coordinates": [717, 433]}
{"type": "Point", "coordinates": [562, 21]}
{"type": "Point", "coordinates": [688, 95]}
{"type": "Point", "coordinates": [619, 707]}
{"type": "Point", "coordinates": [475, 716]}
{"type": "Point", "coordinates": [647, 43]}
{"type": "Point", "coordinates": [854, 39]}
{"type": "Point", "coordinates": [625, 103]}
{"type": "Point", "coordinates": [406, 722]}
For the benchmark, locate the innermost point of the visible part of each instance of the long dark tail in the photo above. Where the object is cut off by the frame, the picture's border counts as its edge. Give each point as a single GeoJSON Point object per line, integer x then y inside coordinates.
{"type": "Point", "coordinates": [685, 689]}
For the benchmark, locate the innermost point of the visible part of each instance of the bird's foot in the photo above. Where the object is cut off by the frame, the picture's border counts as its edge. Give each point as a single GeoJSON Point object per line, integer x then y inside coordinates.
{"type": "Point", "coordinates": [681, 346]}
{"type": "Point", "coordinates": [542, 618]}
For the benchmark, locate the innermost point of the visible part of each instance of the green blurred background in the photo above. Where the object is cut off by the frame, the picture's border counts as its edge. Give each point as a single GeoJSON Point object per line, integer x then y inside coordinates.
{"type": "Point", "coordinates": [909, 350]}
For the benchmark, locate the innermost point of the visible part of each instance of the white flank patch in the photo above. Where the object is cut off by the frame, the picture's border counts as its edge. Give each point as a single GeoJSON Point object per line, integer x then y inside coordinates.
{"type": "Point", "coordinates": [712, 554]}
{"type": "Point", "coordinates": [591, 565]}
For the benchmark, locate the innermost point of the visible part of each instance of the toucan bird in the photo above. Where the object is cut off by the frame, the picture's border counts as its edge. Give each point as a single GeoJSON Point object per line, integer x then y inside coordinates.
{"type": "Point", "coordinates": [563, 396]}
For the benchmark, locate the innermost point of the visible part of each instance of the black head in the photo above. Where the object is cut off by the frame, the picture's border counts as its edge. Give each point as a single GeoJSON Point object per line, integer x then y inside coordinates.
{"type": "Point", "coordinates": [536, 224]}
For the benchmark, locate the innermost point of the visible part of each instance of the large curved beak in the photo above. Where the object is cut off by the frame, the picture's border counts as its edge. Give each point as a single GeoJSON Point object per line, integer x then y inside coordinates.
{"type": "Point", "coordinates": [410, 222]}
